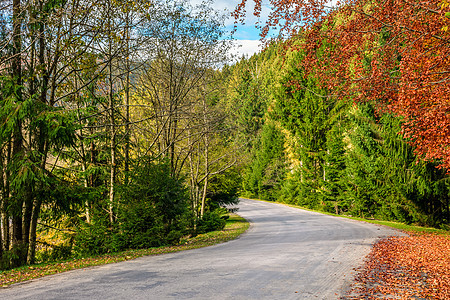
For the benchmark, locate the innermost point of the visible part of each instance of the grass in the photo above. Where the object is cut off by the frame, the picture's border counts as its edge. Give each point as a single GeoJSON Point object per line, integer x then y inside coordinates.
{"type": "Point", "coordinates": [404, 227]}
{"type": "Point", "coordinates": [235, 226]}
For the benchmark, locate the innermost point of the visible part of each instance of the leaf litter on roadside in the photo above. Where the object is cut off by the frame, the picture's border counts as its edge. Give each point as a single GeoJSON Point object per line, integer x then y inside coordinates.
{"type": "Point", "coordinates": [409, 267]}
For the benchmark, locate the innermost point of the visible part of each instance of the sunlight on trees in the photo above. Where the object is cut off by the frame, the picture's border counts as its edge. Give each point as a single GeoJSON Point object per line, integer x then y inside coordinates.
{"type": "Point", "coordinates": [92, 95]}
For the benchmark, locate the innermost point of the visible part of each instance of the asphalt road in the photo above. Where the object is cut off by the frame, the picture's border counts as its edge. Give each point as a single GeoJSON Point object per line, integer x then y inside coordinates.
{"type": "Point", "coordinates": [286, 254]}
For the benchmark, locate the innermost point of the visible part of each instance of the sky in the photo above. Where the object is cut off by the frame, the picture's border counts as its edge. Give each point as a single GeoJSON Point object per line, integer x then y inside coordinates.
{"type": "Point", "coordinates": [246, 36]}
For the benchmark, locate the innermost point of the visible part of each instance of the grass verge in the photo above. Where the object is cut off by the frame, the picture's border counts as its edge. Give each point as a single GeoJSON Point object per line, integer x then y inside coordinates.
{"type": "Point", "coordinates": [397, 225]}
{"type": "Point", "coordinates": [235, 226]}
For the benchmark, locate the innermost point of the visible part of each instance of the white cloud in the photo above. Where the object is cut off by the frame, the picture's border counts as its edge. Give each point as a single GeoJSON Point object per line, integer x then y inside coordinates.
{"type": "Point", "coordinates": [228, 6]}
{"type": "Point", "coordinates": [246, 47]}
{"type": "Point", "coordinates": [247, 36]}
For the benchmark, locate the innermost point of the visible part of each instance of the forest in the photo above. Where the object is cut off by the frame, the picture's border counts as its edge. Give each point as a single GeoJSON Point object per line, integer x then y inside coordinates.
{"type": "Point", "coordinates": [113, 136]}
{"type": "Point", "coordinates": [349, 110]}
{"type": "Point", "coordinates": [125, 125]}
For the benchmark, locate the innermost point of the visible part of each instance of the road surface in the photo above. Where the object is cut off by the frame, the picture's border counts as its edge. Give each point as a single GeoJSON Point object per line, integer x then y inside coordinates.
{"type": "Point", "coordinates": [286, 254]}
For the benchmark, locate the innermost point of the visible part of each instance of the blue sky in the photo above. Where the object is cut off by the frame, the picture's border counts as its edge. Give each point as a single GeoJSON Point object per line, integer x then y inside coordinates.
{"type": "Point", "coordinates": [247, 36]}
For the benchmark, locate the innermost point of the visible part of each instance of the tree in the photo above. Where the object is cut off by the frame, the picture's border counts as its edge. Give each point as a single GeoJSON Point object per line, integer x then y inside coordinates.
{"type": "Point", "coordinates": [36, 123]}
{"type": "Point", "coordinates": [75, 79]}
{"type": "Point", "coordinates": [176, 92]}
{"type": "Point", "coordinates": [43, 79]}
{"type": "Point", "coordinates": [267, 169]}
{"type": "Point", "coordinates": [384, 181]}
{"type": "Point", "coordinates": [394, 53]}
{"type": "Point", "coordinates": [339, 154]}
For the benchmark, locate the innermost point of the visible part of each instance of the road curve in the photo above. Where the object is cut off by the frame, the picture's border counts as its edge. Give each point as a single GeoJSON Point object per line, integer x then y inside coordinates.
{"type": "Point", "coordinates": [286, 254]}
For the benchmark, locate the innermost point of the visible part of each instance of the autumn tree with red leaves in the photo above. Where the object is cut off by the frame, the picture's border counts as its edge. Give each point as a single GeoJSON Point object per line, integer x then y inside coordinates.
{"type": "Point", "coordinates": [394, 54]}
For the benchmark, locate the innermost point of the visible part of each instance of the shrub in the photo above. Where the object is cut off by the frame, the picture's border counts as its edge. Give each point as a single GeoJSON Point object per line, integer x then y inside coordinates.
{"type": "Point", "coordinates": [211, 221]}
{"type": "Point", "coordinates": [154, 208]}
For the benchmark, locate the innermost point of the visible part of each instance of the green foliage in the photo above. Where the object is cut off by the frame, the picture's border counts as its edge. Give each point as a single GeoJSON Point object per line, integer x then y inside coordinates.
{"type": "Point", "coordinates": [334, 167]}
{"type": "Point", "coordinates": [57, 253]}
{"type": "Point", "coordinates": [267, 168]}
{"type": "Point", "coordinates": [93, 238]}
{"type": "Point", "coordinates": [313, 119]}
{"type": "Point", "coordinates": [152, 183]}
{"type": "Point", "coordinates": [383, 175]}
{"type": "Point", "coordinates": [153, 207]}
{"type": "Point", "coordinates": [223, 188]}
{"type": "Point", "coordinates": [153, 211]}
{"type": "Point", "coordinates": [249, 99]}
{"type": "Point", "coordinates": [70, 129]}
{"type": "Point", "coordinates": [211, 221]}
{"type": "Point", "coordinates": [336, 157]}
{"type": "Point", "coordinates": [13, 257]}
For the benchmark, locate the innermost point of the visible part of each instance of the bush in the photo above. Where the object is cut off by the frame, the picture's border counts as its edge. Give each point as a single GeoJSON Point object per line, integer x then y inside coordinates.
{"type": "Point", "coordinates": [59, 252]}
{"type": "Point", "coordinates": [154, 208]}
{"type": "Point", "coordinates": [153, 211]}
{"type": "Point", "coordinates": [211, 221]}
{"type": "Point", "coordinates": [93, 239]}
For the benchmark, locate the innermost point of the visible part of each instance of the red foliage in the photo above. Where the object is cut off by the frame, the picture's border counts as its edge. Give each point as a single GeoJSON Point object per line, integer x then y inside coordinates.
{"type": "Point", "coordinates": [409, 69]}
{"type": "Point", "coordinates": [406, 268]}
{"type": "Point", "coordinates": [394, 53]}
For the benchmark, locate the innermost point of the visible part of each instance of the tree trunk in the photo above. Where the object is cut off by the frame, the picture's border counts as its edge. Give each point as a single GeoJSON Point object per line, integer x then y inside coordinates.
{"type": "Point", "coordinates": [112, 176]}
{"type": "Point", "coordinates": [16, 236]}
{"type": "Point", "coordinates": [205, 186]}
{"type": "Point", "coordinates": [26, 216]}
{"type": "Point", "coordinates": [127, 99]}
{"type": "Point", "coordinates": [17, 48]}
{"type": "Point", "coordinates": [33, 228]}
{"type": "Point", "coordinates": [112, 127]}
{"type": "Point", "coordinates": [86, 203]}
{"type": "Point", "coordinates": [206, 139]}
{"type": "Point", "coordinates": [5, 228]}
{"type": "Point", "coordinates": [4, 202]}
